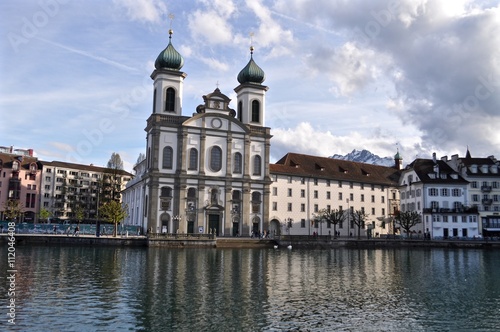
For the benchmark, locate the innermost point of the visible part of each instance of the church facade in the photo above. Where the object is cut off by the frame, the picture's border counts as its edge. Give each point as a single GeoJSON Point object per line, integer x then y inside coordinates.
{"type": "Point", "coordinates": [205, 173]}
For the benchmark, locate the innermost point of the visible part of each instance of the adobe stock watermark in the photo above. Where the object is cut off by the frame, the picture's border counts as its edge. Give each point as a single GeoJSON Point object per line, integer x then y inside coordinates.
{"type": "Point", "coordinates": [458, 114]}
{"type": "Point", "coordinates": [95, 136]}
{"type": "Point", "coordinates": [32, 24]}
{"type": "Point", "coordinates": [11, 272]}
{"type": "Point", "coordinates": [381, 19]}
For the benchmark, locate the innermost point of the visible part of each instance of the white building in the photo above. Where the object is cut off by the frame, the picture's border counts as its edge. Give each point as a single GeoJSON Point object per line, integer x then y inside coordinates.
{"type": "Point", "coordinates": [205, 173]}
{"type": "Point", "coordinates": [483, 190]}
{"type": "Point", "coordinates": [303, 185]}
{"type": "Point", "coordinates": [66, 186]}
{"type": "Point", "coordinates": [439, 193]}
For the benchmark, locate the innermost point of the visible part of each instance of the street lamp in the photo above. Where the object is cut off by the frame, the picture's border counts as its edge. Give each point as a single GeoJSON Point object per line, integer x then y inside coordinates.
{"type": "Point", "coordinates": [177, 219]}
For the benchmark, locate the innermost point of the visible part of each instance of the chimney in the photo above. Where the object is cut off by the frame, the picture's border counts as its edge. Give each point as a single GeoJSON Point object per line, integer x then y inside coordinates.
{"type": "Point", "coordinates": [30, 152]}
{"type": "Point", "coordinates": [434, 157]}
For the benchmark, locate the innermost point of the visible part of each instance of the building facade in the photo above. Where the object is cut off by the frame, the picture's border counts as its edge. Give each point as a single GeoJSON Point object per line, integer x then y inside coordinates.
{"type": "Point", "coordinates": [440, 194]}
{"type": "Point", "coordinates": [67, 187]}
{"type": "Point", "coordinates": [205, 173]}
{"type": "Point", "coordinates": [303, 185]}
{"type": "Point", "coordinates": [483, 191]}
{"type": "Point", "coordinates": [20, 175]}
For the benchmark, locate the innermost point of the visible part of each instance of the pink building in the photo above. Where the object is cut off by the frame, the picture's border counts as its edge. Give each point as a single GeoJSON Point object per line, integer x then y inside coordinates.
{"type": "Point", "coordinates": [20, 178]}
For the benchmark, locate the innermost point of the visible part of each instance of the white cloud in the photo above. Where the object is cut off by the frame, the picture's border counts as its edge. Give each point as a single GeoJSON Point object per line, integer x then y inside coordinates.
{"type": "Point", "coordinates": [270, 33]}
{"type": "Point", "coordinates": [209, 28]}
{"type": "Point", "coordinates": [143, 10]}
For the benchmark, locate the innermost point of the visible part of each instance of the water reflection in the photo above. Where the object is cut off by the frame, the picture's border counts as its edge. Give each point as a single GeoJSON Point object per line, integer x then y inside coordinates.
{"type": "Point", "coordinates": [158, 289]}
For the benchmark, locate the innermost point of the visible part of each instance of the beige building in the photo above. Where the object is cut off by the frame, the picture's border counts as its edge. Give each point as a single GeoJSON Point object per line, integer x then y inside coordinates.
{"type": "Point", "coordinates": [303, 185]}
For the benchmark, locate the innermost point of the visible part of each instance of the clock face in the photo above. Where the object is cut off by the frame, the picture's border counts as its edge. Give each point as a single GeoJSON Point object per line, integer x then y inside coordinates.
{"type": "Point", "coordinates": [216, 123]}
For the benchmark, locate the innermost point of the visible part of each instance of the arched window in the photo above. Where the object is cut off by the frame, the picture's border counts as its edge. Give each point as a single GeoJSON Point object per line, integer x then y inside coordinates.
{"type": "Point", "coordinates": [166, 192]}
{"type": "Point", "coordinates": [257, 165]}
{"type": "Point", "coordinates": [193, 159]}
{"type": "Point", "coordinates": [255, 111]}
{"type": "Point", "coordinates": [154, 101]}
{"type": "Point", "coordinates": [240, 111]}
{"type": "Point", "coordinates": [168, 157]}
{"type": "Point", "coordinates": [237, 167]}
{"type": "Point", "coordinates": [170, 100]}
{"type": "Point", "coordinates": [191, 193]}
{"type": "Point", "coordinates": [216, 158]}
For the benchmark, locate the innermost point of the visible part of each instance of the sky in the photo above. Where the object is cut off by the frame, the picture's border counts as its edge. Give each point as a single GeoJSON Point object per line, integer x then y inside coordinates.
{"type": "Point", "coordinates": [413, 76]}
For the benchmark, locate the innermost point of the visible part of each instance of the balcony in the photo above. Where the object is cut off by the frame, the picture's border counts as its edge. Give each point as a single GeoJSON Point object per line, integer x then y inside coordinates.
{"type": "Point", "coordinates": [463, 209]}
{"type": "Point", "coordinates": [486, 189]}
{"type": "Point", "coordinates": [487, 201]}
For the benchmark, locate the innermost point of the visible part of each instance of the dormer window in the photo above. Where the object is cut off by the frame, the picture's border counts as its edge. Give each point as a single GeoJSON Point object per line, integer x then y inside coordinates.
{"type": "Point", "coordinates": [15, 165]}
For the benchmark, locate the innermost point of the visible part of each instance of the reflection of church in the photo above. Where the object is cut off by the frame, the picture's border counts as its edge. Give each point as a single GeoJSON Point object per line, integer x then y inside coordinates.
{"type": "Point", "coordinates": [208, 172]}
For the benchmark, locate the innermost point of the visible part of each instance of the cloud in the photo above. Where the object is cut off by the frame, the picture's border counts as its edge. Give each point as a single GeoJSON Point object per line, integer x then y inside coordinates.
{"type": "Point", "coordinates": [442, 59]}
{"type": "Point", "coordinates": [149, 11]}
{"type": "Point", "coordinates": [308, 139]}
{"type": "Point", "coordinates": [208, 27]}
{"type": "Point", "coordinates": [270, 34]}
{"type": "Point", "coordinates": [349, 67]}
{"type": "Point", "coordinates": [89, 55]}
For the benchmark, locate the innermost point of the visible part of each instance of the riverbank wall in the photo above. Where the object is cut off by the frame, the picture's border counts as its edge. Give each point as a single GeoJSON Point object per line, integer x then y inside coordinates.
{"type": "Point", "coordinates": [294, 242]}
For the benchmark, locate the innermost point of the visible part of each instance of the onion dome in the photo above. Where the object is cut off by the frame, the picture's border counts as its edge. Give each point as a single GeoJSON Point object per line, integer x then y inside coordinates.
{"type": "Point", "coordinates": [169, 58]}
{"type": "Point", "coordinates": [397, 156]}
{"type": "Point", "coordinates": [251, 73]}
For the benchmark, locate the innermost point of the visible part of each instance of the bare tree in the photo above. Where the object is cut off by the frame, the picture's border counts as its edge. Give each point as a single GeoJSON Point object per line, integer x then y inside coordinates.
{"type": "Point", "coordinates": [334, 217]}
{"type": "Point", "coordinates": [141, 157]}
{"type": "Point", "coordinates": [408, 219]}
{"type": "Point", "coordinates": [111, 179]}
{"type": "Point", "coordinates": [115, 162]}
{"type": "Point", "coordinates": [359, 217]}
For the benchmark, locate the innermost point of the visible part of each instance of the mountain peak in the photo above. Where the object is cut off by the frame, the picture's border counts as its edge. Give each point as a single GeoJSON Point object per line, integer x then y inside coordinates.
{"type": "Point", "coordinates": [365, 156]}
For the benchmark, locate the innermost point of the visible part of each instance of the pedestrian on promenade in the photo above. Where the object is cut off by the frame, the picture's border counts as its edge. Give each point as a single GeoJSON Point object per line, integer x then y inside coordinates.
{"type": "Point", "coordinates": [77, 230]}
{"type": "Point", "coordinates": [55, 229]}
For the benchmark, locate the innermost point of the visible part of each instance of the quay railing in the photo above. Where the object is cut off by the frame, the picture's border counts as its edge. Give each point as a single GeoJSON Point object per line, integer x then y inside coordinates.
{"type": "Point", "coordinates": [180, 236]}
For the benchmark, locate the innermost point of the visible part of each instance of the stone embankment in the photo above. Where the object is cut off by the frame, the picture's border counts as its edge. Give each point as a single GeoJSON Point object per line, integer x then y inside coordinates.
{"type": "Point", "coordinates": [209, 241]}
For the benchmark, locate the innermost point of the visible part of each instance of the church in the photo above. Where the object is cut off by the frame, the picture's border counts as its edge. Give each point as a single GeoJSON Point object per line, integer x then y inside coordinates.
{"type": "Point", "coordinates": [207, 173]}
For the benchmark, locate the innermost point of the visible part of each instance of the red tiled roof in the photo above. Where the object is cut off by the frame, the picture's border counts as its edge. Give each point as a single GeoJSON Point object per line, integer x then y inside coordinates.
{"type": "Point", "coordinates": [334, 169]}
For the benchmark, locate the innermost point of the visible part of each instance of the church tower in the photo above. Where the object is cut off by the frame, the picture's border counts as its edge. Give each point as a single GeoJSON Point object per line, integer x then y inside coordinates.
{"type": "Point", "coordinates": [168, 81]}
{"type": "Point", "coordinates": [251, 94]}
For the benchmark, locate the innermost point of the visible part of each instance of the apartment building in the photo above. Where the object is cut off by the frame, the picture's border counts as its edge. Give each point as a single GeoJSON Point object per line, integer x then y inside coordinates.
{"type": "Point", "coordinates": [20, 175]}
{"type": "Point", "coordinates": [483, 190]}
{"type": "Point", "coordinates": [66, 187]}
{"type": "Point", "coordinates": [440, 194]}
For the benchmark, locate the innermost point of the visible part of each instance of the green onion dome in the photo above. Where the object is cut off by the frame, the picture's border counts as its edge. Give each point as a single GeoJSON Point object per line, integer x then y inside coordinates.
{"type": "Point", "coordinates": [169, 58]}
{"type": "Point", "coordinates": [251, 73]}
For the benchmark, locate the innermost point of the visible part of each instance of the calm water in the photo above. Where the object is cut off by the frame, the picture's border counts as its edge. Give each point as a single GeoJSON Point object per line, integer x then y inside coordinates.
{"type": "Point", "coordinates": [158, 289]}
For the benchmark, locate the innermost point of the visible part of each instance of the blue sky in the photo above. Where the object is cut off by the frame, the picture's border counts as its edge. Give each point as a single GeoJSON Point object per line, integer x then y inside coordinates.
{"type": "Point", "coordinates": [418, 76]}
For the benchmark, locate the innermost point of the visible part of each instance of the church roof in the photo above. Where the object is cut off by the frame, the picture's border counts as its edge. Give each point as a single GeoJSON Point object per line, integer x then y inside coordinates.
{"type": "Point", "coordinates": [251, 73]}
{"type": "Point", "coordinates": [169, 58]}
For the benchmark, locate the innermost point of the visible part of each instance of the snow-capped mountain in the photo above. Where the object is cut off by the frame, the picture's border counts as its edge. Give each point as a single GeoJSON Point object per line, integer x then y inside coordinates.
{"type": "Point", "coordinates": [365, 156]}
